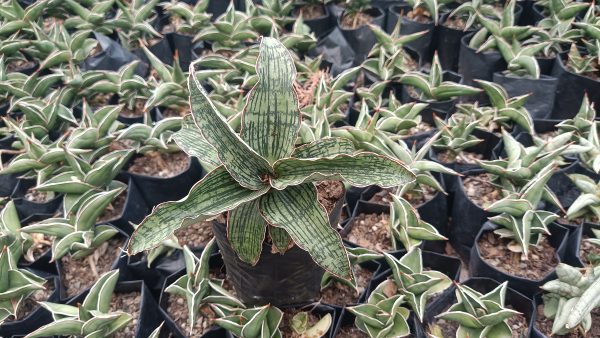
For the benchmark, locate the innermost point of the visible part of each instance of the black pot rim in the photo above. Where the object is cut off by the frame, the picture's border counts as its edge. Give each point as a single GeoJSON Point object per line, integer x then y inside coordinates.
{"type": "Point", "coordinates": [543, 77]}
{"type": "Point", "coordinates": [560, 62]}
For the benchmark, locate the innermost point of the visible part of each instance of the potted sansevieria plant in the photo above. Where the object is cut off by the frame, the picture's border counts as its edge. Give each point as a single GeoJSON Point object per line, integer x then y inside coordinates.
{"type": "Point", "coordinates": [265, 184]}
{"type": "Point", "coordinates": [353, 24]}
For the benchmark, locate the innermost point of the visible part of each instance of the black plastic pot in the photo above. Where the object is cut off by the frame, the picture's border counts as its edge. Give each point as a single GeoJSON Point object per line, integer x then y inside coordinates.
{"type": "Point", "coordinates": [26, 208]}
{"type": "Point", "coordinates": [564, 188]}
{"type": "Point", "coordinates": [478, 267]}
{"type": "Point", "coordinates": [161, 49]}
{"type": "Point", "coordinates": [541, 101]}
{"type": "Point", "coordinates": [134, 211]}
{"type": "Point", "coordinates": [514, 300]}
{"type": "Point", "coordinates": [321, 26]}
{"type": "Point", "coordinates": [448, 44]}
{"type": "Point", "coordinates": [34, 320]}
{"type": "Point", "coordinates": [528, 17]}
{"type": "Point", "coordinates": [7, 181]}
{"type": "Point", "coordinates": [570, 89]}
{"type": "Point", "coordinates": [538, 13]}
{"type": "Point", "coordinates": [43, 264]}
{"type": "Point", "coordinates": [440, 108]}
{"type": "Point", "coordinates": [149, 318]}
{"type": "Point", "coordinates": [112, 57]}
{"type": "Point", "coordinates": [572, 255]}
{"type": "Point", "coordinates": [362, 39]}
{"type": "Point", "coordinates": [433, 211]}
{"type": "Point", "coordinates": [284, 280]}
{"type": "Point", "coordinates": [156, 190]}
{"type": "Point", "coordinates": [337, 54]}
{"type": "Point", "coordinates": [473, 65]}
{"type": "Point", "coordinates": [183, 45]}
{"type": "Point", "coordinates": [467, 218]}
{"type": "Point", "coordinates": [423, 45]}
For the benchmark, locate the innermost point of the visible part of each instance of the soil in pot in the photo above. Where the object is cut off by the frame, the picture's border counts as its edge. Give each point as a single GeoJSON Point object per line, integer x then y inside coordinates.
{"type": "Point", "coordinates": [170, 112]}
{"type": "Point", "coordinates": [548, 136]}
{"type": "Point", "coordinates": [341, 294]}
{"type": "Point", "coordinates": [542, 258]}
{"type": "Point", "coordinates": [481, 191]}
{"type": "Point", "coordinates": [455, 22]}
{"type": "Point", "coordinates": [128, 302]}
{"type": "Point", "coordinates": [41, 244]}
{"type": "Point", "coordinates": [415, 197]}
{"type": "Point", "coordinates": [351, 331]}
{"type": "Point", "coordinates": [544, 325]}
{"type": "Point", "coordinates": [464, 157]}
{"type": "Point", "coordinates": [371, 231]}
{"type": "Point", "coordinates": [178, 311]}
{"type": "Point", "coordinates": [80, 274]}
{"type": "Point", "coordinates": [587, 250]}
{"type": "Point", "coordinates": [136, 111]}
{"type": "Point", "coordinates": [329, 192]}
{"type": "Point", "coordinates": [18, 65]}
{"type": "Point", "coordinates": [309, 12]}
{"type": "Point", "coordinates": [36, 196]}
{"type": "Point", "coordinates": [101, 100]}
{"type": "Point", "coordinates": [356, 20]}
{"type": "Point", "coordinates": [157, 164]}
{"type": "Point", "coordinates": [198, 234]}
{"type": "Point", "coordinates": [114, 209]}
{"type": "Point", "coordinates": [30, 303]}
{"type": "Point", "coordinates": [419, 15]}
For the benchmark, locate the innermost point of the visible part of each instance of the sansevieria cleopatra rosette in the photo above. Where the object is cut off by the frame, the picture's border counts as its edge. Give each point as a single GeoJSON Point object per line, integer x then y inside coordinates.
{"type": "Point", "coordinates": [263, 180]}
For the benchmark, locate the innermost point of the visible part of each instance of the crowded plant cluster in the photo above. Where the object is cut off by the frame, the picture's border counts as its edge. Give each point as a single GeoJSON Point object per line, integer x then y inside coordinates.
{"type": "Point", "coordinates": [299, 168]}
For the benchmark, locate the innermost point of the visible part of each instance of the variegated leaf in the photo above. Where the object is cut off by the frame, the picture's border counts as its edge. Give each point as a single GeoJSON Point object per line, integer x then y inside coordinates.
{"type": "Point", "coordinates": [359, 170]}
{"type": "Point", "coordinates": [190, 140]}
{"type": "Point", "coordinates": [297, 210]}
{"type": "Point", "coordinates": [241, 161]}
{"type": "Point", "coordinates": [325, 147]}
{"type": "Point", "coordinates": [217, 192]}
{"type": "Point", "coordinates": [246, 231]}
{"type": "Point", "coordinates": [271, 119]}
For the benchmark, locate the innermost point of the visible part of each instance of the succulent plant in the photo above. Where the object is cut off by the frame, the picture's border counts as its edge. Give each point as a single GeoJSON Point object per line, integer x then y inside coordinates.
{"type": "Point", "coordinates": [169, 89]}
{"type": "Point", "coordinates": [229, 31]}
{"type": "Point", "coordinates": [256, 173]}
{"type": "Point", "coordinates": [591, 156]}
{"type": "Point", "coordinates": [92, 318]}
{"type": "Point", "coordinates": [415, 283]}
{"type": "Point", "coordinates": [587, 205]}
{"type": "Point", "coordinates": [471, 10]}
{"type": "Point", "coordinates": [582, 122]}
{"type": "Point", "coordinates": [456, 135]}
{"type": "Point", "coordinates": [197, 287]}
{"type": "Point", "coordinates": [431, 7]}
{"type": "Point", "coordinates": [133, 22]}
{"type": "Point", "coordinates": [432, 87]}
{"type": "Point", "coordinates": [93, 18]}
{"type": "Point", "coordinates": [581, 63]}
{"type": "Point", "coordinates": [504, 110]}
{"type": "Point", "coordinates": [59, 47]}
{"type": "Point", "coordinates": [17, 284]}
{"type": "Point", "coordinates": [145, 137]}
{"type": "Point", "coordinates": [255, 322]}
{"type": "Point", "coordinates": [480, 315]}
{"type": "Point", "coordinates": [11, 236]}
{"type": "Point", "coordinates": [357, 256]}
{"type": "Point", "coordinates": [407, 227]}
{"type": "Point", "coordinates": [77, 234]}
{"type": "Point", "coordinates": [595, 241]}
{"type": "Point", "coordinates": [520, 218]}
{"type": "Point", "coordinates": [520, 58]}
{"type": "Point", "coordinates": [383, 315]}
{"type": "Point", "coordinates": [560, 10]}
{"type": "Point", "coordinates": [95, 133]}
{"type": "Point", "coordinates": [16, 18]}
{"type": "Point", "coordinates": [303, 329]}
{"type": "Point", "coordinates": [570, 299]}
{"type": "Point", "coordinates": [188, 19]}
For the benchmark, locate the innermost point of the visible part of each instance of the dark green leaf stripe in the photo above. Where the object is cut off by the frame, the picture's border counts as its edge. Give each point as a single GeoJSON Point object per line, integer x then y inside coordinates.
{"type": "Point", "coordinates": [271, 118]}
{"type": "Point", "coordinates": [246, 231]}
{"type": "Point", "coordinates": [325, 147]}
{"type": "Point", "coordinates": [280, 238]}
{"type": "Point", "coordinates": [359, 170]}
{"type": "Point", "coordinates": [190, 140]}
{"type": "Point", "coordinates": [243, 163]}
{"type": "Point", "coordinates": [217, 192]}
{"type": "Point", "coordinates": [297, 210]}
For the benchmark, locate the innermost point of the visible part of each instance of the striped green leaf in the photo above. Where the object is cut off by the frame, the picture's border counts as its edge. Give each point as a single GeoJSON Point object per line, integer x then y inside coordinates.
{"type": "Point", "coordinates": [297, 210]}
{"type": "Point", "coordinates": [359, 170]}
{"type": "Point", "coordinates": [246, 231]}
{"type": "Point", "coordinates": [241, 161]}
{"type": "Point", "coordinates": [190, 140]}
{"type": "Point", "coordinates": [280, 238]}
{"type": "Point", "coordinates": [325, 147]}
{"type": "Point", "coordinates": [271, 120]}
{"type": "Point", "coordinates": [217, 192]}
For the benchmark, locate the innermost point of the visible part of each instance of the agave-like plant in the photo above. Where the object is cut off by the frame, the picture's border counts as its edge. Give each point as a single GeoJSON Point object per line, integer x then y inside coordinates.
{"type": "Point", "coordinates": [197, 287]}
{"type": "Point", "coordinates": [587, 205]}
{"type": "Point", "coordinates": [11, 236]}
{"type": "Point", "coordinates": [582, 122]}
{"type": "Point", "coordinates": [591, 157]}
{"type": "Point", "coordinates": [188, 19]}
{"type": "Point", "coordinates": [255, 322]}
{"type": "Point", "coordinates": [520, 218]}
{"type": "Point", "coordinates": [229, 31]}
{"type": "Point", "coordinates": [413, 282]}
{"type": "Point", "coordinates": [570, 299]}
{"type": "Point", "coordinates": [92, 318]}
{"type": "Point", "coordinates": [383, 315]}
{"type": "Point", "coordinates": [480, 315]}
{"type": "Point", "coordinates": [17, 284]}
{"type": "Point", "coordinates": [263, 181]}
{"type": "Point", "coordinates": [432, 87]}
{"type": "Point", "coordinates": [456, 135]}
{"type": "Point", "coordinates": [134, 22]}
{"type": "Point", "coordinates": [407, 227]}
